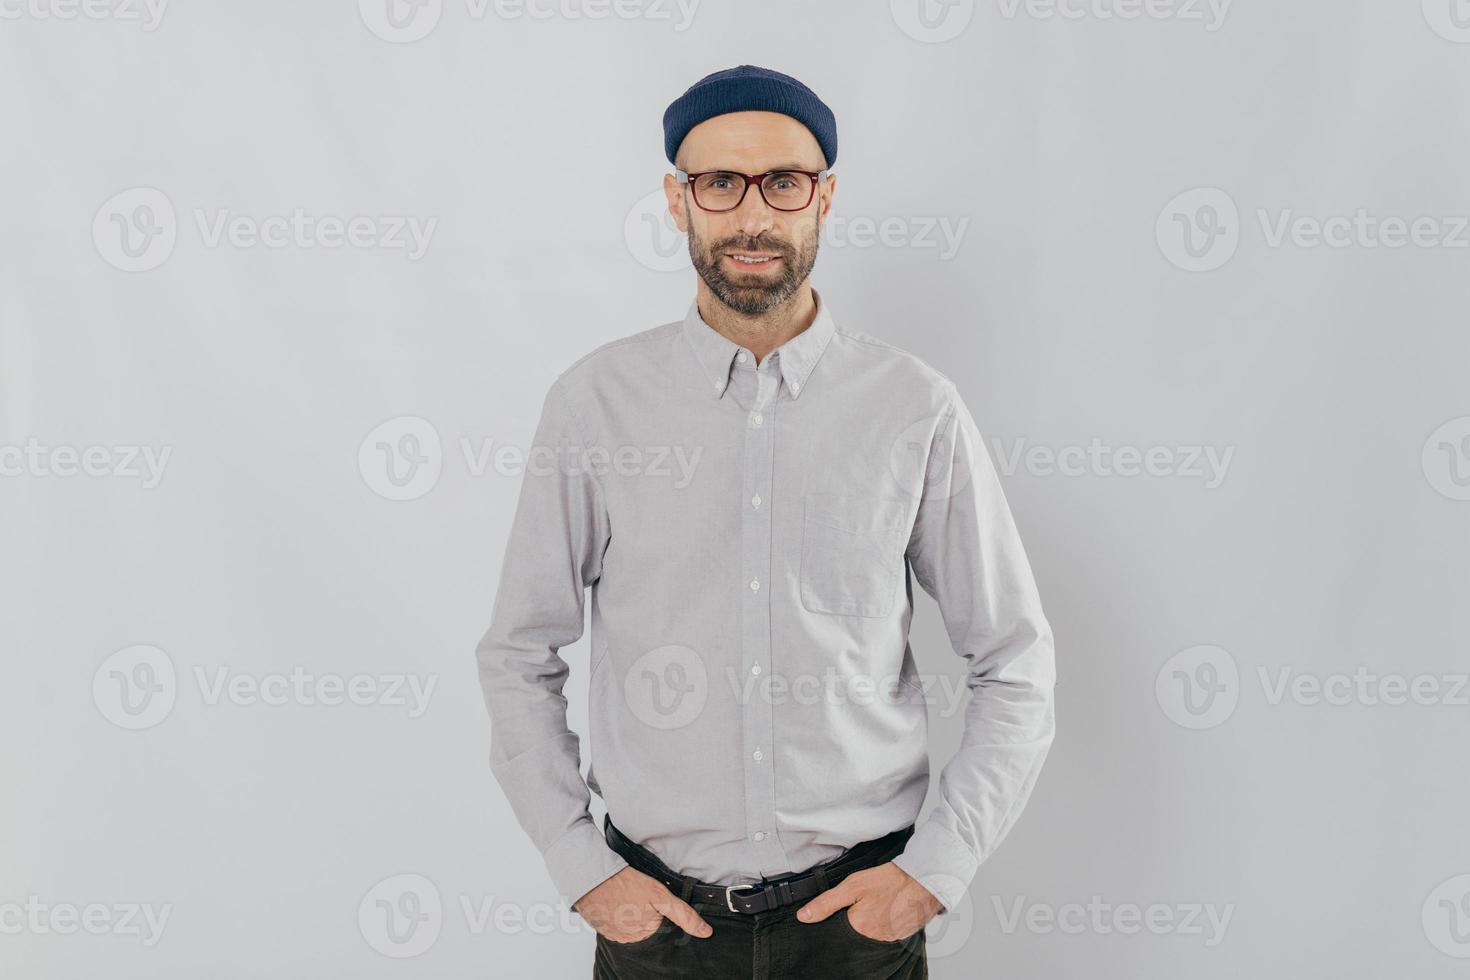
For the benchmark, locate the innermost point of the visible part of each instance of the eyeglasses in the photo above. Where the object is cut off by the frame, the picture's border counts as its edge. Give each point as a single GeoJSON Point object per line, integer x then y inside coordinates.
{"type": "Point", "coordinates": [723, 190]}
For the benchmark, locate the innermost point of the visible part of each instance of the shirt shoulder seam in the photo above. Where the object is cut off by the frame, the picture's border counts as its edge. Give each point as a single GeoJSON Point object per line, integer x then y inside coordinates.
{"type": "Point", "coordinates": [643, 337]}
{"type": "Point", "coordinates": [874, 342]}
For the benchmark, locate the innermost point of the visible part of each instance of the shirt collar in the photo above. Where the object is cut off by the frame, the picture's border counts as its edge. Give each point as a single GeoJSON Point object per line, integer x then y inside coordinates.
{"type": "Point", "coordinates": [799, 355]}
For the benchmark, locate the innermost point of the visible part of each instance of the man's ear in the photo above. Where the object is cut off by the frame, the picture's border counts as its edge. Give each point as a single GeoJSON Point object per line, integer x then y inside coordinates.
{"type": "Point", "coordinates": [674, 194]}
{"type": "Point", "coordinates": [825, 191]}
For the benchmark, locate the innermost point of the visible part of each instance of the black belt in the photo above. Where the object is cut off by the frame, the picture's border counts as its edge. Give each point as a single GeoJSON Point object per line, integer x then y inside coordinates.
{"type": "Point", "coordinates": [768, 893]}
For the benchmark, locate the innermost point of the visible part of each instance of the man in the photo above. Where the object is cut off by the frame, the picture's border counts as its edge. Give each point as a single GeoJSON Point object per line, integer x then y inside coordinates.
{"type": "Point", "coordinates": [749, 494]}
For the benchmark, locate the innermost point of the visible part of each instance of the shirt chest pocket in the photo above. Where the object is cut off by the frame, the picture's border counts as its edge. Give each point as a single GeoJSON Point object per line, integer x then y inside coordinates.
{"type": "Point", "coordinates": [851, 552]}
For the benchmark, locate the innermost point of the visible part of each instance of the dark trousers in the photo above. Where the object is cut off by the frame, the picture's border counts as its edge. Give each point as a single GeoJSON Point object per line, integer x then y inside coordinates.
{"type": "Point", "coordinates": [765, 946]}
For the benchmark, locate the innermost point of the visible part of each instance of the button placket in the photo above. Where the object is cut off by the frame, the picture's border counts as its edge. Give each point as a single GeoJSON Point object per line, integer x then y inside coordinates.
{"type": "Point", "coordinates": [755, 534]}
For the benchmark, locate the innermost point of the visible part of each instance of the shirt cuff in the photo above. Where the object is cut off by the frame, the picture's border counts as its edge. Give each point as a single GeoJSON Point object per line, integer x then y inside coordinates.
{"type": "Point", "coordinates": [940, 861]}
{"type": "Point", "coordinates": [581, 860]}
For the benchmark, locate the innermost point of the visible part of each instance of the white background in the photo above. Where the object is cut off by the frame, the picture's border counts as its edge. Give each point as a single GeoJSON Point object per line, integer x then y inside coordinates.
{"type": "Point", "coordinates": [1067, 150]}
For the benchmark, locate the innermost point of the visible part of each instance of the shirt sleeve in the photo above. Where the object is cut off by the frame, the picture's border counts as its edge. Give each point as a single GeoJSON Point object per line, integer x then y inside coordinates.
{"type": "Point", "coordinates": [553, 555]}
{"type": "Point", "coordinates": [965, 552]}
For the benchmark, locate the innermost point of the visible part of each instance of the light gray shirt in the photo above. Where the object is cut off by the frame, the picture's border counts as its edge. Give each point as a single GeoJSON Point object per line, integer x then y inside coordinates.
{"type": "Point", "coordinates": [750, 536]}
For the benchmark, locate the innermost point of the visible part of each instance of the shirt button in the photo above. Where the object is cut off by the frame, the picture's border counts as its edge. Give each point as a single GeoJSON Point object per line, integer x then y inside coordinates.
{"type": "Point", "coordinates": [741, 357]}
{"type": "Point", "coordinates": [760, 835]}
{"type": "Point", "coordinates": [755, 668]}
{"type": "Point", "coordinates": [755, 501]}
{"type": "Point", "coordinates": [755, 585]}
{"type": "Point", "coordinates": [796, 386]}
{"type": "Point", "coordinates": [757, 755]}
{"type": "Point", "coordinates": [756, 418]}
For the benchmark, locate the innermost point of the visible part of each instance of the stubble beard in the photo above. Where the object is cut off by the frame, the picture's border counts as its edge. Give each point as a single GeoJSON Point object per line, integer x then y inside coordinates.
{"type": "Point", "coordinates": [754, 294]}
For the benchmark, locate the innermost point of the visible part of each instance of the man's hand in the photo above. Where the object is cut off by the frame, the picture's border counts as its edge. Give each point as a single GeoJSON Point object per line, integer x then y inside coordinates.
{"type": "Point", "coordinates": [631, 906]}
{"type": "Point", "coordinates": [886, 904]}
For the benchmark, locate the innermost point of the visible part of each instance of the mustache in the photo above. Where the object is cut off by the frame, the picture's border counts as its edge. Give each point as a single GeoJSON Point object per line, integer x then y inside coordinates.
{"type": "Point", "coordinates": [742, 245]}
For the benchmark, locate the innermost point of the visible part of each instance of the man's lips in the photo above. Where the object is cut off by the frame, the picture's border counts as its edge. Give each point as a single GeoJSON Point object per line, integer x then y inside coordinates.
{"type": "Point", "coordinates": [753, 259]}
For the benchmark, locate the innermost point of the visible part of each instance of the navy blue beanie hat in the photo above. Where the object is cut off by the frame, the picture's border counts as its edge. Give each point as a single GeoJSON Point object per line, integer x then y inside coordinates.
{"type": "Point", "coordinates": [744, 89]}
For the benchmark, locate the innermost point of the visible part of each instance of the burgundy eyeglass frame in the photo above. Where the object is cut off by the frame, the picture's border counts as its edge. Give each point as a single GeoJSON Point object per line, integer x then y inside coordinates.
{"type": "Point", "coordinates": [754, 180]}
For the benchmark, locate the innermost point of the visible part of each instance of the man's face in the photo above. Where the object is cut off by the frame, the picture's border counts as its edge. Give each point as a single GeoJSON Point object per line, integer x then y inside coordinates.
{"type": "Point", "coordinates": [720, 242]}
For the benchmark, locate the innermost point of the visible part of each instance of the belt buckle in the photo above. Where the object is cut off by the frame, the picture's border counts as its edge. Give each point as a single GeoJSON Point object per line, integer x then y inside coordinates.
{"type": "Point", "coordinates": [730, 893]}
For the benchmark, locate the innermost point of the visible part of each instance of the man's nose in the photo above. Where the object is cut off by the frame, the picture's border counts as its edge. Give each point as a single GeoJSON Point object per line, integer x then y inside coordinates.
{"type": "Point", "coordinates": [754, 215]}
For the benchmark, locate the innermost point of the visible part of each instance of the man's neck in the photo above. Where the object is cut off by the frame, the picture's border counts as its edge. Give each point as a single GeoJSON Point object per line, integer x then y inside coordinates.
{"type": "Point", "coordinates": [760, 334]}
